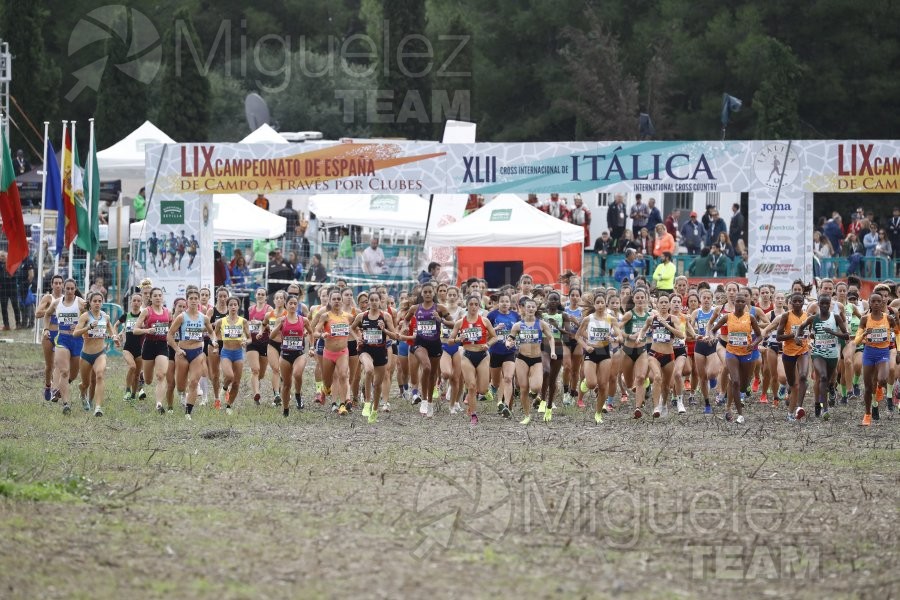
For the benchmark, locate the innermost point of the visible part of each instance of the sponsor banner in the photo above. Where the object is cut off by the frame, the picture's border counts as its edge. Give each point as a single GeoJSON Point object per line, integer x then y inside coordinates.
{"type": "Point", "coordinates": [778, 249]}
{"type": "Point", "coordinates": [852, 166]}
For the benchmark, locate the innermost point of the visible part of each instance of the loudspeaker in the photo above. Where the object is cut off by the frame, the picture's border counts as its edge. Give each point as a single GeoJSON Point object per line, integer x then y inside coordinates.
{"type": "Point", "coordinates": [500, 273]}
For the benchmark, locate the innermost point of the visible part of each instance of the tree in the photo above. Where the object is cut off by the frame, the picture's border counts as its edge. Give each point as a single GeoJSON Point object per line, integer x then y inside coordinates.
{"type": "Point", "coordinates": [777, 98]}
{"type": "Point", "coordinates": [184, 109]}
{"type": "Point", "coordinates": [121, 100]}
{"type": "Point", "coordinates": [36, 78]}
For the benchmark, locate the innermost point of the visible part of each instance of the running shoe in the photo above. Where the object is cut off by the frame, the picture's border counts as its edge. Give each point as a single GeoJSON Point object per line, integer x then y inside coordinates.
{"type": "Point", "coordinates": [526, 420]}
{"type": "Point", "coordinates": [47, 393]}
{"type": "Point", "coordinates": [782, 391]}
{"type": "Point", "coordinates": [285, 412]}
{"type": "Point", "coordinates": [342, 410]}
{"type": "Point", "coordinates": [856, 390]}
{"type": "Point", "coordinates": [203, 401]}
{"type": "Point", "coordinates": [791, 419]}
{"type": "Point", "coordinates": [536, 402]}
{"type": "Point", "coordinates": [187, 417]}
{"type": "Point", "coordinates": [500, 406]}
{"type": "Point", "coordinates": [687, 384]}
{"type": "Point", "coordinates": [680, 407]}
{"type": "Point", "coordinates": [583, 386]}
{"type": "Point", "coordinates": [826, 416]}
{"type": "Point", "coordinates": [159, 408]}
{"type": "Point", "coordinates": [386, 407]}
{"type": "Point", "coordinates": [867, 420]}
{"type": "Point", "coordinates": [729, 417]}
{"type": "Point", "coordinates": [320, 398]}
{"type": "Point", "coordinates": [879, 393]}
{"type": "Point", "coordinates": [436, 393]}
{"type": "Point", "coordinates": [473, 420]}
{"type": "Point", "coordinates": [142, 394]}
{"type": "Point", "coordinates": [657, 412]}
{"type": "Point", "coordinates": [638, 413]}
{"type": "Point", "coordinates": [607, 407]}
{"type": "Point", "coordinates": [567, 399]}
{"type": "Point", "coordinates": [98, 412]}
{"type": "Point", "coordinates": [876, 414]}
{"type": "Point", "coordinates": [580, 403]}
{"type": "Point", "coordinates": [764, 399]}
{"type": "Point", "coordinates": [129, 397]}
{"type": "Point", "coordinates": [707, 410]}
{"type": "Point", "coordinates": [429, 412]}
{"type": "Point", "coordinates": [755, 386]}
{"type": "Point", "coordinates": [170, 410]}
{"type": "Point", "coordinates": [692, 400]}
{"type": "Point", "coordinates": [300, 403]}
{"type": "Point", "coordinates": [598, 418]}
{"type": "Point", "coordinates": [423, 408]}
{"type": "Point", "coordinates": [228, 410]}
{"type": "Point", "coordinates": [334, 407]}
{"type": "Point", "coordinates": [489, 396]}
{"type": "Point", "coordinates": [844, 399]}
{"type": "Point", "coordinates": [832, 397]}
{"type": "Point", "coordinates": [720, 399]}
{"type": "Point", "coordinates": [818, 410]}
{"type": "Point", "coordinates": [183, 400]}
{"type": "Point", "coordinates": [85, 403]}
{"type": "Point", "coordinates": [454, 409]}
{"type": "Point", "coordinates": [256, 399]}
{"type": "Point", "coordinates": [373, 417]}
{"type": "Point", "coordinates": [542, 407]}
{"type": "Point", "coordinates": [218, 405]}
{"type": "Point", "coordinates": [55, 396]}
{"type": "Point", "coordinates": [890, 404]}
{"type": "Point", "coordinates": [799, 413]}
{"type": "Point", "coordinates": [548, 415]}
{"type": "Point", "coordinates": [740, 420]}
{"type": "Point", "coordinates": [506, 413]}
{"type": "Point", "coordinates": [416, 399]}
{"type": "Point", "coordinates": [367, 409]}
{"type": "Point", "coordinates": [665, 410]}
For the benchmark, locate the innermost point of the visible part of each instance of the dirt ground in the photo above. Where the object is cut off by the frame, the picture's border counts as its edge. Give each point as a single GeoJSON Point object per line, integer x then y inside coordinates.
{"type": "Point", "coordinates": [139, 505]}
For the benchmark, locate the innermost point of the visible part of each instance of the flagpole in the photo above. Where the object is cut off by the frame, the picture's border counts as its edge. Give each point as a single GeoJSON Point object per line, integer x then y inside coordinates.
{"type": "Point", "coordinates": [72, 199]}
{"type": "Point", "coordinates": [39, 271]}
{"type": "Point", "coordinates": [62, 187]}
{"type": "Point", "coordinates": [87, 202]}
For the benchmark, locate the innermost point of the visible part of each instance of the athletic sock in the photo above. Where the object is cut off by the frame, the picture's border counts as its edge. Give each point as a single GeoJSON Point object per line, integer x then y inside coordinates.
{"type": "Point", "coordinates": [189, 409]}
{"type": "Point", "coordinates": [843, 390]}
{"type": "Point", "coordinates": [890, 389]}
{"type": "Point", "coordinates": [856, 380]}
{"type": "Point", "coordinates": [713, 383]}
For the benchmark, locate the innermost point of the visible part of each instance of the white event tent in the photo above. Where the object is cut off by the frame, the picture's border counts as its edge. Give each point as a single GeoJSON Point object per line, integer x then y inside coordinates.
{"type": "Point", "coordinates": [406, 212]}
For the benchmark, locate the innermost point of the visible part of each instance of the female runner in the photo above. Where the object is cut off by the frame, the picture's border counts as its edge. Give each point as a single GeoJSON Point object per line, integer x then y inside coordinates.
{"type": "Point", "coordinates": [744, 336]}
{"type": "Point", "coordinates": [179, 307]}
{"type": "Point", "coordinates": [193, 327]}
{"type": "Point", "coordinates": [350, 307]}
{"type": "Point", "coordinates": [528, 334]}
{"type": "Point", "coordinates": [502, 359]}
{"type": "Point", "coordinates": [795, 355]}
{"type": "Point", "coordinates": [216, 313]}
{"type": "Point", "coordinates": [774, 379]}
{"type": "Point", "coordinates": [825, 329]}
{"type": "Point", "coordinates": [334, 327]}
{"type": "Point", "coordinates": [427, 348]}
{"type": "Point", "coordinates": [663, 330]}
{"type": "Point", "coordinates": [682, 347]}
{"type": "Point", "coordinates": [153, 324]}
{"type": "Point", "coordinates": [273, 346]}
{"type": "Point", "coordinates": [573, 357]}
{"type": "Point", "coordinates": [234, 333]}
{"type": "Point", "coordinates": [594, 335]}
{"type": "Point", "coordinates": [48, 337]}
{"type": "Point", "coordinates": [259, 341]}
{"type": "Point", "coordinates": [634, 361]}
{"type": "Point", "coordinates": [67, 354]}
{"type": "Point", "coordinates": [451, 359]}
{"type": "Point", "coordinates": [294, 331]}
{"type": "Point", "coordinates": [94, 326]}
{"type": "Point", "coordinates": [131, 349]}
{"type": "Point", "coordinates": [557, 320]}
{"type": "Point", "coordinates": [372, 328]}
{"type": "Point", "coordinates": [875, 334]}
{"type": "Point", "coordinates": [477, 334]}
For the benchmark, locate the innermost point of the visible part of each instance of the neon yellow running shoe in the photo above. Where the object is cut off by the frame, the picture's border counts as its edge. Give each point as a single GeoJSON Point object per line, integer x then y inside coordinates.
{"type": "Point", "coordinates": [647, 383]}
{"type": "Point", "coordinates": [584, 387]}
{"type": "Point", "coordinates": [436, 393]}
{"type": "Point", "coordinates": [489, 395]}
{"type": "Point", "coordinates": [367, 409]}
{"type": "Point", "coordinates": [542, 407]}
{"type": "Point", "coordinates": [598, 418]}
{"type": "Point", "coordinates": [548, 415]}
{"type": "Point", "coordinates": [373, 417]}
{"type": "Point", "coordinates": [525, 421]}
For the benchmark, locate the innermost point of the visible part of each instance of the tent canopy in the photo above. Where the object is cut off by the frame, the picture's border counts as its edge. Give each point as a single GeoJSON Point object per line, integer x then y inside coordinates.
{"type": "Point", "coordinates": [125, 159]}
{"type": "Point", "coordinates": [264, 135]}
{"type": "Point", "coordinates": [390, 211]}
{"type": "Point", "coordinates": [235, 218]}
{"type": "Point", "coordinates": [508, 221]}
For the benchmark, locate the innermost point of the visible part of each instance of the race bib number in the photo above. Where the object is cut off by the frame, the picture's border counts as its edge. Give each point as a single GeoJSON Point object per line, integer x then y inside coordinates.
{"type": "Point", "coordinates": [661, 336]}
{"type": "Point", "coordinates": [701, 326]}
{"type": "Point", "coordinates": [373, 336]}
{"type": "Point", "coordinates": [160, 328]}
{"type": "Point", "coordinates": [471, 334]}
{"type": "Point", "coordinates": [500, 328]}
{"type": "Point", "coordinates": [426, 328]}
{"type": "Point", "coordinates": [879, 335]}
{"type": "Point", "coordinates": [193, 334]}
{"type": "Point", "coordinates": [825, 341]}
{"type": "Point", "coordinates": [97, 332]}
{"type": "Point", "coordinates": [129, 326]}
{"type": "Point", "coordinates": [598, 334]}
{"type": "Point", "coordinates": [738, 338]}
{"type": "Point", "coordinates": [528, 336]}
{"type": "Point", "coordinates": [67, 320]}
{"type": "Point", "coordinates": [294, 343]}
{"type": "Point", "coordinates": [233, 331]}
{"type": "Point", "coordinates": [445, 331]}
{"type": "Point", "coordinates": [340, 330]}
{"type": "Point", "coordinates": [254, 328]}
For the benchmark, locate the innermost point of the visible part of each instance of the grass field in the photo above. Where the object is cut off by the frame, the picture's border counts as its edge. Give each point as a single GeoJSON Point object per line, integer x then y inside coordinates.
{"type": "Point", "coordinates": [138, 505]}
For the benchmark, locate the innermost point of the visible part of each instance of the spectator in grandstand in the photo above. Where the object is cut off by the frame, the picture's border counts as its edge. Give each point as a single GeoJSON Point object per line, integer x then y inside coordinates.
{"type": "Point", "coordinates": [431, 273]}
{"type": "Point", "coordinates": [627, 241]}
{"type": "Point", "coordinates": [692, 235]}
{"type": "Point", "coordinates": [707, 216]}
{"type": "Point", "coordinates": [345, 247]}
{"type": "Point", "coordinates": [639, 215]}
{"type": "Point", "coordinates": [220, 270]}
{"type": "Point", "coordinates": [821, 250]}
{"type": "Point", "coordinates": [742, 265]}
{"type": "Point", "coordinates": [853, 250]}
{"type": "Point", "coordinates": [556, 208]}
{"type": "Point", "coordinates": [715, 228]}
{"type": "Point", "coordinates": [654, 217]}
{"type": "Point", "coordinates": [615, 218]}
{"type": "Point", "coordinates": [581, 216]}
{"type": "Point", "coordinates": [894, 231]}
{"type": "Point", "coordinates": [663, 243]}
{"type": "Point", "coordinates": [630, 267]}
{"type": "Point", "coordinates": [736, 227]}
{"type": "Point", "coordinates": [671, 223]}
{"type": "Point", "coordinates": [883, 247]}
{"type": "Point", "coordinates": [645, 242]}
{"type": "Point", "coordinates": [373, 258]}
{"type": "Point", "coordinates": [604, 247]}
{"type": "Point", "coordinates": [293, 219]}
{"type": "Point", "coordinates": [724, 245]}
{"type": "Point", "coordinates": [240, 274]}
{"type": "Point", "coordinates": [834, 230]}
{"type": "Point", "coordinates": [716, 262]}
{"type": "Point", "coordinates": [664, 274]}
{"type": "Point", "coordinates": [870, 241]}
{"type": "Point", "coordinates": [261, 201]}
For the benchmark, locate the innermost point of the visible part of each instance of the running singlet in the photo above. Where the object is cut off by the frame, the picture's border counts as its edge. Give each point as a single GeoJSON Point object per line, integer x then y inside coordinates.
{"type": "Point", "coordinates": [599, 331]}
{"type": "Point", "coordinates": [876, 335]}
{"type": "Point", "coordinates": [232, 332]}
{"type": "Point", "coordinates": [98, 331]}
{"type": "Point", "coordinates": [338, 325]}
{"type": "Point", "coordinates": [852, 320]}
{"type": "Point", "coordinates": [455, 315]}
{"type": "Point", "coordinates": [576, 315]}
{"type": "Point", "coordinates": [128, 320]}
{"type": "Point", "coordinates": [555, 322]}
{"type": "Point", "coordinates": [825, 345]}
{"type": "Point", "coordinates": [473, 333]}
{"type": "Point", "coordinates": [681, 325]}
{"type": "Point", "coordinates": [703, 318]}
{"type": "Point", "coordinates": [530, 334]}
{"type": "Point", "coordinates": [272, 318]}
{"type": "Point", "coordinates": [257, 333]}
{"type": "Point", "coordinates": [292, 335]}
{"type": "Point", "coordinates": [427, 321]}
{"type": "Point", "coordinates": [791, 348]}
{"type": "Point", "coordinates": [659, 334]}
{"type": "Point", "coordinates": [636, 323]}
{"type": "Point", "coordinates": [502, 323]}
{"type": "Point", "coordinates": [67, 316]}
{"type": "Point", "coordinates": [739, 332]}
{"type": "Point", "coordinates": [372, 334]}
{"type": "Point", "coordinates": [159, 323]}
{"type": "Point", "coordinates": [192, 329]}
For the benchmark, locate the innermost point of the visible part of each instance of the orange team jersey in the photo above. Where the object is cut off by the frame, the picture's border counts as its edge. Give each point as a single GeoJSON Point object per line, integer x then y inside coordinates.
{"type": "Point", "coordinates": [272, 318]}
{"type": "Point", "coordinates": [338, 325]}
{"type": "Point", "coordinates": [877, 333]}
{"type": "Point", "coordinates": [739, 334]}
{"type": "Point", "coordinates": [790, 346]}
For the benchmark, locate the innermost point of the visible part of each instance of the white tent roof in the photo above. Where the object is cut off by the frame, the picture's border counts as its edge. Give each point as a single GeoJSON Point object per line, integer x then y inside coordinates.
{"type": "Point", "coordinates": [125, 158]}
{"type": "Point", "coordinates": [235, 218]}
{"type": "Point", "coordinates": [523, 226]}
{"type": "Point", "coordinates": [264, 135]}
{"type": "Point", "coordinates": [390, 211]}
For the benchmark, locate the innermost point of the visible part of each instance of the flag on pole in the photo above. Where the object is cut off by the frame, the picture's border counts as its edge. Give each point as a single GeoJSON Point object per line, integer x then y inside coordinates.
{"type": "Point", "coordinates": [68, 197]}
{"type": "Point", "coordinates": [88, 201]}
{"type": "Point", "coordinates": [53, 197]}
{"type": "Point", "coordinates": [11, 212]}
{"type": "Point", "coordinates": [730, 104]}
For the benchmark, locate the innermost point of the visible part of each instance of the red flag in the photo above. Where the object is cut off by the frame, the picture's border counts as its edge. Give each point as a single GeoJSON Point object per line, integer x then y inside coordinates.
{"type": "Point", "coordinates": [11, 213]}
{"type": "Point", "coordinates": [67, 193]}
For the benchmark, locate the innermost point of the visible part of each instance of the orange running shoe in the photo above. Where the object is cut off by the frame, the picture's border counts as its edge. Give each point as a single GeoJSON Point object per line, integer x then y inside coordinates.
{"type": "Point", "coordinates": [687, 384]}
{"type": "Point", "coordinates": [218, 405]}
{"type": "Point", "coordinates": [867, 420]}
{"type": "Point", "coordinates": [764, 399]}
{"type": "Point", "coordinates": [879, 393]}
{"type": "Point", "coordinates": [755, 385]}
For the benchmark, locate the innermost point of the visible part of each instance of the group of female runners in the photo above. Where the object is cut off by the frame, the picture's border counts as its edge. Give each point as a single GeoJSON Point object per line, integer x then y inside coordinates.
{"type": "Point", "coordinates": [461, 347]}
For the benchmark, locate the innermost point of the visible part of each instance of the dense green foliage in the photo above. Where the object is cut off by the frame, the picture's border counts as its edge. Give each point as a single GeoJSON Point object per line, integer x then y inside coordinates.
{"type": "Point", "coordinates": [184, 107]}
{"type": "Point", "coordinates": [523, 69]}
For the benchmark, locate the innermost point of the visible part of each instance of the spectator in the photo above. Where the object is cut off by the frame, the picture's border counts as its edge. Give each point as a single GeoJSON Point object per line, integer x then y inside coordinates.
{"type": "Point", "coordinates": [21, 165]}
{"type": "Point", "coordinates": [98, 286]}
{"type": "Point", "coordinates": [280, 272]}
{"type": "Point", "coordinates": [315, 274]}
{"type": "Point", "coordinates": [853, 251]}
{"type": "Point", "coordinates": [627, 241]}
{"type": "Point", "coordinates": [894, 231]}
{"type": "Point", "coordinates": [345, 247]}
{"type": "Point", "coordinates": [604, 247]}
{"type": "Point", "coordinates": [581, 216]}
{"type": "Point", "coordinates": [860, 227]}
{"type": "Point", "coordinates": [736, 227]}
{"type": "Point", "coordinates": [615, 218]}
{"type": "Point", "coordinates": [672, 224]}
{"type": "Point", "coordinates": [664, 243]}
{"type": "Point", "coordinates": [630, 267]}
{"type": "Point", "coordinates": [645, 242]}
{"type": "Point", "coordinates": [834, 230]}
{"type": "Point", "coordinates": [293, 219]}
{"type": "Point", "coordinates": [654, 217]}
{"type": "Point", "coordinates": [298, 271]}
{"type": "Point", "coordinates": [101, 268]}
{"type": "Point", "coordinates": [261, 249]}
{"type": "Point", "coordinates": [237, 254]}
{"type": "Point", "coordinates": [304, 250]}
{"type": "Point", "coordinates": [220, 270]}
{"type": "Point", "coordinates": [240, 274]}
{"type": "Point", "coordinates": [718, 266]}
{"type": "Point", "coordinates": [25, 280]}
{"type": "Point", "coordinates": [533, 201]}
{"type": "Point", "coordinates": [664, 274]}
{"type": "Point", "coordinates": [8, 293]}
{"type": "Point", "coordinates": [882, 250]}
{"type": "Point", "coordinates": [556, 208]}
{"type": "Point", "coordinates": [821, 250]}
{"type": "Point", "coordinates": [742, 265]}
{"type": "Point", "coordinates": [140, 206]}
{"type": "Point", "coordinates": [715, 228]}
{"type": "Point", "coordinates": [431, 273]}
{"type": "Point", "coordinates": [724, 245]}
{"type": "Point", "coordinates": [373, 258]}
{"type": "Point", "coordinates": [261, 201]}
{"type": "Point", "coordinates": [639, 215]}
{"type": "Point", "coordinates": [312, 233]}
{"type": "Point", "coordinates": [870, 241]}
{"type": "Point", "coordinates": [692, 235]}
{"type": "Point", "coordinates": [857, 215]}
{"type": "Point", "coordinates": [707, 216]}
